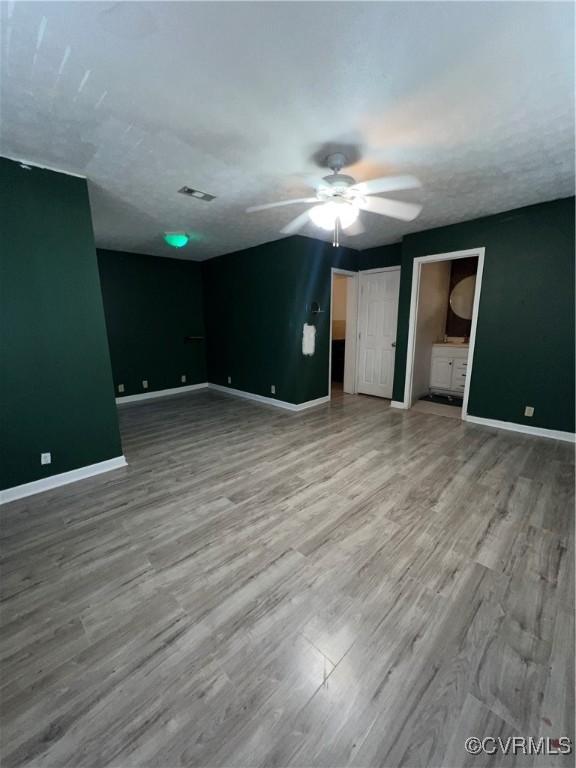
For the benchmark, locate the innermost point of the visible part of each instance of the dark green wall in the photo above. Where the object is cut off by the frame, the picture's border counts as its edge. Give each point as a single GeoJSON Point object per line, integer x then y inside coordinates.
{"type": "Point", "coordinates": [382, 256]}
{"type": "Point", "coordinates": [257, 301]}
{"type": "Point", "coordinates": [151, 304]}
{"type": "Point", "coordinates": [524, 353]}
{"type": "Point", "coordinates": [56, 383]}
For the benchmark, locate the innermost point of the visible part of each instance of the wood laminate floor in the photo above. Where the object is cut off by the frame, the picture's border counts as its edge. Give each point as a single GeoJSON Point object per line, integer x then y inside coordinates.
{"type": "Point", "coordinates": [349, 586]}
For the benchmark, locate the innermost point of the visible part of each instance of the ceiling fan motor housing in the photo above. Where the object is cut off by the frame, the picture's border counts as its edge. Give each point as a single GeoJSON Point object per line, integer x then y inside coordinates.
{"type": "Point", "coordinates": [336, 185]}
{"type": "Point", "coordinates": [336, 161]}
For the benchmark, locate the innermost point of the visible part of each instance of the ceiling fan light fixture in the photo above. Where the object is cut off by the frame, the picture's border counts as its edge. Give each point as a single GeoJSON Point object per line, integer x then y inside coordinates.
{"type": "Point", "coordinates": [325, 215]}
{"type": "Point", "coordinates": [347, 214]}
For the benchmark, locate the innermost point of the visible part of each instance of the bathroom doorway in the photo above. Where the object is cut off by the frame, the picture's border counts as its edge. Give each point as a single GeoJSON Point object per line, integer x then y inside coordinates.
{"type": "Point", "coordinates": [343, 325]}
{"type": "Point", "coordinates": [443, 317]}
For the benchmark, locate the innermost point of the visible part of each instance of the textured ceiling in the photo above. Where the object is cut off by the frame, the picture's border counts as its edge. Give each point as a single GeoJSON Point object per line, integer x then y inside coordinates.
{"type": "Point", "coordinates": [236, 99]}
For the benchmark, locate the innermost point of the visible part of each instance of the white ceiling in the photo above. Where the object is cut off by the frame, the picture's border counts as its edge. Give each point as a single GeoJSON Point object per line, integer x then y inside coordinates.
{"type": "Point", "coordinates": [476, 99]}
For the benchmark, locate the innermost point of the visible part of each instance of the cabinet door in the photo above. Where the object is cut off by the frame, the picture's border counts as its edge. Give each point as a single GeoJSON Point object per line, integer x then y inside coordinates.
{"type": "Point", "coordinates": [459, 375]}
{"type": "Point", "coordinates": [441, 373]}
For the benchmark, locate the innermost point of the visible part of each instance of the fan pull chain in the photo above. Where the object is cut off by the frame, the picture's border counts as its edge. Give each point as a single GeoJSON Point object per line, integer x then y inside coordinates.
{"type": "Point", "coordinates": [336, 238]}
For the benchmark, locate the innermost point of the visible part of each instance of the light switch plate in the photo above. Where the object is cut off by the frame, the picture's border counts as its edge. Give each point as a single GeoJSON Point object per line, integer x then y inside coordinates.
{"type": "Point", "coordinates": [120, 387]}
{"type": "Point", "coordinates": [45, 458]}
{"type": "Point", "coordinates": [229, 379]}
{"type": "Point", "coordinates": [144, 383]}
{"type": "Point", "coordinates": [183, 378]}
{"type": "Point", "coordinates": [529, 411]}
{"type": "Point", "coordinates": [273, 389]}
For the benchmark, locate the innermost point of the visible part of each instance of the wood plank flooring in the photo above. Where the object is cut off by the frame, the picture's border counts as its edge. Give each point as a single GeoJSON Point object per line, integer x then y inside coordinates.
{"type": "Point", "coordinates": [348, 586]}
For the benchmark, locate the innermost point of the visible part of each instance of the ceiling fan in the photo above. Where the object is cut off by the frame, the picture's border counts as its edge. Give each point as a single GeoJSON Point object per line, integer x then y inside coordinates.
{"type": "Point", "coordinates": [339, 199]}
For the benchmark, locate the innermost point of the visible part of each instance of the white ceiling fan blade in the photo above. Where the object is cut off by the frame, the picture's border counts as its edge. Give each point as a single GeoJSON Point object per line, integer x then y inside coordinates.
{"type": "Point", "coordinates": [396, 209]}
{"type": "Point", "coordinates": [357, 228]}
{"type": "Point", "coordinates": [293, 226]}
{"type": "Point", "coordinates": [281, 203]}
{"type": "Point", "coordinates": [386, 184]}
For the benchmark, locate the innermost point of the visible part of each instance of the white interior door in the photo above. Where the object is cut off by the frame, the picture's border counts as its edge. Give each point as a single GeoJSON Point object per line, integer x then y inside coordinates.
{"type": "Point", "coordinates": [377, 318]}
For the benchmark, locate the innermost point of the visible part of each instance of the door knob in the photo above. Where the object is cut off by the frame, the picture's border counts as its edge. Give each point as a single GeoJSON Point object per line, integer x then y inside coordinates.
{"type": "Point", "coordinates": [393, 343]}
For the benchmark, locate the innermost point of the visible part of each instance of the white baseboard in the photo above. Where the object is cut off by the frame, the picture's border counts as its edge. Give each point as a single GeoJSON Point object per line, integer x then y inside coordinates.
{"type": "Point", "coordinates": [160, 393]}
{"type": "Point", "coordinates": [554, 434]}
{"type": "Point", "coordinates": [270, 400]}
{"type": "Point", "coordinates": [227, 390]}
{"type": "Point", "coordinates": [525, 429]}
{"type": "Point", "coordinates": [54, 481]}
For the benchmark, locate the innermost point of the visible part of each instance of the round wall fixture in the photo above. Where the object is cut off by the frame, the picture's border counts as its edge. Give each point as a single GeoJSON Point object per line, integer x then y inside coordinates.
{"type": "Point", "coordinates": [462, 297]}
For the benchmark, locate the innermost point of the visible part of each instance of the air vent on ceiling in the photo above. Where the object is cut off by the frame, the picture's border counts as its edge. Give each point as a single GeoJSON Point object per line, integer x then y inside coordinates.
{"type": "Point", "coordinates": [197, 194]}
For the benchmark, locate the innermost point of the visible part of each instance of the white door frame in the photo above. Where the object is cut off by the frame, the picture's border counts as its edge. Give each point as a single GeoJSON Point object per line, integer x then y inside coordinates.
{"type": "Point", "coordinates": [351, 325]}
{"type": "Point", "coordinates": [395, 268]}
{"type": "Point", "coordinates": [416, 271]}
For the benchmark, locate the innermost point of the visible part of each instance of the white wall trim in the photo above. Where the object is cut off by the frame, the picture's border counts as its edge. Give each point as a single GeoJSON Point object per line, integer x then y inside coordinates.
{"type": "Point", "coordinates": [416, 269]}
{"type": "Point", "coordinates": [270, 400]}
{"type": "Point", "coordinates": [393, 268]}
{"type": "Point", "coordinates": [398, 404]}
{"type": "Point", "coordinates": [160, 393]}
{"type": "Point", "coordinates": [23, 161]}
{"type": "Point", "coordinates": [54, 481]}
{"type": "Point", "coordinates": [511, 426]}
{"type": "Point", "coordinates": [227, 390]}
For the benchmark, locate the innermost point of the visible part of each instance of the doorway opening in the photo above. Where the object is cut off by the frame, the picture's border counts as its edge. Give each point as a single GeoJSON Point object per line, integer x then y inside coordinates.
{"type": "Point", "coordinates": [343, 331]}
{"type": "Point", "coordinates": [443, 318]}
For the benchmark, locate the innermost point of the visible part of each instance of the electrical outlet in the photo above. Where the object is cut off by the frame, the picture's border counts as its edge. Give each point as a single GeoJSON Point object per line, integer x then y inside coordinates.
{"type": "Point", "coordinates": [183, 378]}
{"type": "Point", "coordinates": [273, 389]}
{"type": "Point", "coordinates": [229, 379]}
{"type": "Point", "coordinates": [45, 458]}
{"type": "Point", "coordinates": [529, 411]}
{"type": "Point", "coordinates": [144, 383]}
{"type": "Point", "coordinates": [120, 387]}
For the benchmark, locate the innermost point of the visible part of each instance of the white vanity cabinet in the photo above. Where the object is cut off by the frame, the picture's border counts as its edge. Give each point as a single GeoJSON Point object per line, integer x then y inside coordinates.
{"type": "Point", "coordinates": [448, 368]}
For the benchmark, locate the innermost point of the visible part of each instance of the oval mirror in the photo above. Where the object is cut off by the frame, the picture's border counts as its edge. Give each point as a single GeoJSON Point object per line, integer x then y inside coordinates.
{"type": "Point", "coordinates": [462, 297]}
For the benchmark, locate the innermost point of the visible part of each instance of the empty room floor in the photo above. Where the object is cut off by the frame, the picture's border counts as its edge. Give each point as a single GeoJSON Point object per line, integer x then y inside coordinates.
{"type": "Point", "coordinates": [352, 585]}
